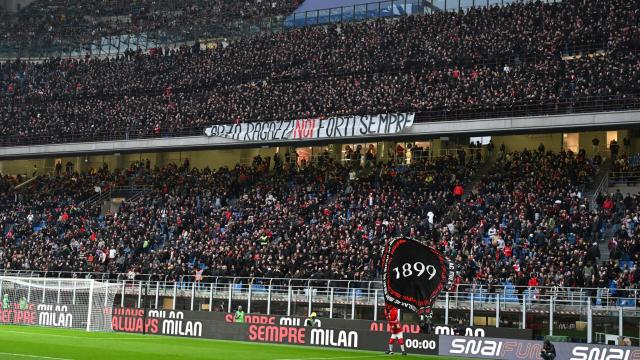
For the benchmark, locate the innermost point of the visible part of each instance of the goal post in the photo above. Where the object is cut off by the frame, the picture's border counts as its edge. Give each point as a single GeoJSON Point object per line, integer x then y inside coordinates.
{"type": "Point", "coordinates": [55, 302]}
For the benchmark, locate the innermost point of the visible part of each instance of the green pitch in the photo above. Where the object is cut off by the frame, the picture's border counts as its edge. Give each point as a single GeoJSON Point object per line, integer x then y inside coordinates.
{"type": "Point", "coordinates": [24, 343]}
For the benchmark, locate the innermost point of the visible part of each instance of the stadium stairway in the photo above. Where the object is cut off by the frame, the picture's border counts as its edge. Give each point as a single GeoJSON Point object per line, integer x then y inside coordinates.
{"type": "Point", "coordinates": [602, 184]}
{"type": "Point", "coordinates": [27, 182]}
{"type": "Point", "coordinates": [600, 181]}
{"type": "Point", "coordinates": [483, 170]}
{"type": "Point", "coordinates": [110, 200]}
{"type": "Point", "coordinates": [599, 184]}
{"type": "Point", "coordinates": [604, 251]}
{"type": "Point", "coordinates": [624, 189]}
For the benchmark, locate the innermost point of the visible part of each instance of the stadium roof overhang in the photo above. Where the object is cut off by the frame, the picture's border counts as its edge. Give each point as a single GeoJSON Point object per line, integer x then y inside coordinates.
{"type": "Point", "coordinates": [516, 125]}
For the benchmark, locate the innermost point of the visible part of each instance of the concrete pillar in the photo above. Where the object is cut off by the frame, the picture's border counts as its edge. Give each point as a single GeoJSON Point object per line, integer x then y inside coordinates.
{"type": "Point", "coordinates": [436, 147]}
{"type": "Point", "coordinates": [334, 151]}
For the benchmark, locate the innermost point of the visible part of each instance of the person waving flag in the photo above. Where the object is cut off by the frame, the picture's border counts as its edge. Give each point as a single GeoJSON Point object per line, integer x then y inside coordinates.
{"type": "Point", "coordinates": [414, 274]}
{"type": "Point", "coordinates": [392, 315]}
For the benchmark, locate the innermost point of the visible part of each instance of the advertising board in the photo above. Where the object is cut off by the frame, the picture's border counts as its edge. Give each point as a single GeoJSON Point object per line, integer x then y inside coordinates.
{"type": "Point", "coordinates": [261, 328]}
{"type": "Point", "coordinates": [514, 349]}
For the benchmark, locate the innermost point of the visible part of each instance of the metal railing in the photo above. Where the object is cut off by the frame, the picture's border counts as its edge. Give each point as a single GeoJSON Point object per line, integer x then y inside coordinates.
{"type": "Point", "coordinates": [370, 10]}
{"type": "Point", "coordinates": [117, 191]}
{"type": "Point", "coordinates": [525, 308]}
{"type": "Point", "coordinates": [389, 8]}
{"type": "Point", "coordinates": [113, 38]}
{"type": "Point", "coordinates": [519, 109]}
{"type": "Point", "coordinates": [541, 309]}
{"type": "Point", "coordinates": [26, 182]}
{"type": "Point", "coordinates": [571, 295]}
{"type": "Point", "coordinates": [624, 178]}
{"type": "Point", "coordinates": [604, 183]}
{"type": "Point", "coordinates": [116, 42]}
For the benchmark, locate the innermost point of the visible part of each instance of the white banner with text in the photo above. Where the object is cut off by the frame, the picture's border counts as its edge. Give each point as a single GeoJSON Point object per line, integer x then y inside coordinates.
{"type": "Point", "coordinates": [309, 129]}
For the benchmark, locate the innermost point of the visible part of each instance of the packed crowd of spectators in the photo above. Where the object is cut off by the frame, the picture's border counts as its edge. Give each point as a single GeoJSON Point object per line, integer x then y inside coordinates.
{"type": "Point", "coordinates": [319, 220]}
{"type": "Point", "coordinates": [524, 228]}
{"type": "Point", "coordinates": [481, 63]}
{"type": "Point", "coordinates": [51, 23]}
{"type": "Point", "coordinates": [620, 214]}
{"type": "Point", "coordinates": [627, 164]}
{"type": "Point", "coordinates": [329, 219]}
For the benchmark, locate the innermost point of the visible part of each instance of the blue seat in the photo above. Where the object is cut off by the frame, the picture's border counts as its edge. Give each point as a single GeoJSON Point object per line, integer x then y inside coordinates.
{"type": "Point", "coordinates": [529, 294]}
{"type": "Point", "coordinates": [480, 295]}
{"type": "Point", "coordinates": [258, 288]}
{"type": "Point", "coordinates": [37, 227]}
{"type": "Point", "coordinates": [509, 294]}
{"type": "Point", "coordinates": [627, 264]}
{"type": "Point", "coordinates": [631, 303]}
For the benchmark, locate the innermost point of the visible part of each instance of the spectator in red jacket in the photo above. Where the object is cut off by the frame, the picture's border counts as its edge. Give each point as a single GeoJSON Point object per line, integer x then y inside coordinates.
{"type": "Point", "coordinates": [458, 191]}
{"type": "Point", "coordinates": [608, 204]}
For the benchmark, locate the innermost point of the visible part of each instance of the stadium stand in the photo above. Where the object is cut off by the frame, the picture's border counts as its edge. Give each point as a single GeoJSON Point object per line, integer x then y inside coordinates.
{"type": "Point", "coordinates": [520, 59]}
{"type": "Point", "coordinates": [308, 222]}
{"type": "Point", "coordinates": [515, 153]}
{"type": "Point", "coordinates": [50, 23]}
{"type": "Point", "coordinates": [531, 230]}
{"type": "Point", "coordinates": [327, 219]}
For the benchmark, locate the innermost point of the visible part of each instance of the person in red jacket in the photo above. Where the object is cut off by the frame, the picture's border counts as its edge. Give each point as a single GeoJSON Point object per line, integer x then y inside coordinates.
{"type": "Point", "coordinates": [393, 317]}
{"type": "Point", "coordinates": [458, 191]}
{"type": "Point", "coordinates": [608, 204]}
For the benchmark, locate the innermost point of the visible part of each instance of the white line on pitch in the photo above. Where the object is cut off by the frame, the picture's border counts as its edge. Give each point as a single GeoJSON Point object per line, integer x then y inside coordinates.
{"type": "Point", "coordinates": [340, 357]}
{"type": "Point", "coordinates": [75, 337]}
{"type": "Point", "coordinates": [33, 356]}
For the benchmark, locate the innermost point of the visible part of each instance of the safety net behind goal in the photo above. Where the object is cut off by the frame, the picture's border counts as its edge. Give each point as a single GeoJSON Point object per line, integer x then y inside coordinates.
{"type": "Point", "coordinates": [67, 303]}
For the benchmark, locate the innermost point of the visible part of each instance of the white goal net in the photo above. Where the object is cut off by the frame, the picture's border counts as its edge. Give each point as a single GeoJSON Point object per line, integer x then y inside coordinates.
{"type": "Point", "coordinates": [66, 303]}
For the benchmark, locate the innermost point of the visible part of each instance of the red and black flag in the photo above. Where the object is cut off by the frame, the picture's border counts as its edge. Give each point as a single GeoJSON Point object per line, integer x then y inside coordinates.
{"type": "Point", "coordinates": [414, 274]}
